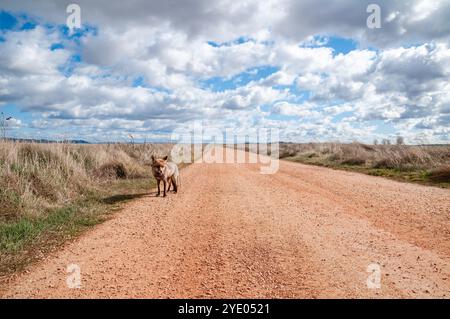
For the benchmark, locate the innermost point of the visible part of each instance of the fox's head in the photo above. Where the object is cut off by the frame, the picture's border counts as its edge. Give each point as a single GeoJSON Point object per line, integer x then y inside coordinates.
{"type": "Point", "coordinates": [158, 165]}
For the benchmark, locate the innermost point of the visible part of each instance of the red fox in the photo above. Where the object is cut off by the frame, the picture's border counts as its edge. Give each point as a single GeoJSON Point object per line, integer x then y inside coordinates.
{"type": "Point", "coordinates": [167, 172]}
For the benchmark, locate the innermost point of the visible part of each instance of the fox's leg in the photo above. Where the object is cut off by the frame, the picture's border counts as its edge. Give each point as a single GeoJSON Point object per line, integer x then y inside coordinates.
{"type": "Point", "coordinates": [164, 184]}
{"type": "Point", "coordinates": [168, 188]}
{"type": "Point", "coordinates": [174, 183]}
{"type": "Point", "coordinates": [159, 190]}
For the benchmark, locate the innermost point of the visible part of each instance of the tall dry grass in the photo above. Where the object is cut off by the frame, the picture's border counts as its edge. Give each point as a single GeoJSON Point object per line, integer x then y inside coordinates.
{"type": "Point", "coordinates": [35, 178]}
{"type": "Point", "coordinates": [434, 159]}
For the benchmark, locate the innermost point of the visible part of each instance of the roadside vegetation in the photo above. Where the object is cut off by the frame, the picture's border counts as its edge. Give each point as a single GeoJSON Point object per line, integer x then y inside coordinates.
{"type": "Point", "coordinates": [52, 192]}
{"type": "Point", "coordinates": [428, 164]}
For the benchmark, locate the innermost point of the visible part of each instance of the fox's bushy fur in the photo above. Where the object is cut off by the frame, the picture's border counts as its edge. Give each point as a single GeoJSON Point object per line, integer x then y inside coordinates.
{"type": "Point", "coordinates": [167, 172]}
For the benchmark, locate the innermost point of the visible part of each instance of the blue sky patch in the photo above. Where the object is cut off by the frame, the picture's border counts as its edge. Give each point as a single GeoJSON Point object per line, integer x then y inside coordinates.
{"type": "Point", "coordinates": [220, 84]}
{"type": "Point", "coordinates": [7, 21]}
{"type": "Point", "coordinates": [10, 21]}
{"type": "Point", "coordinates": [15, 112]}
{"type": "Point", "coordinates": [237, 41]}
{"type": "Point", "coordinates": [342, 45]}
{"type": "Point", "coordinates": [29, 25]}
{"type": "Point", "coordinates": [139, 81]}
{"type": "Point", "coordinates": [338, 44]}
{"type": "Point", "coordinates": [56, 46]}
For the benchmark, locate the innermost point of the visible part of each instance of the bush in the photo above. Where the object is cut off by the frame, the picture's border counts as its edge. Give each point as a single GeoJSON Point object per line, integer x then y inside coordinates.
{"type": "Point", "coordinates": [354, 161]}
{"type": "Point", "coordinates": [441, 174]}
{"type": "Point", "coordinates": [112, 170]}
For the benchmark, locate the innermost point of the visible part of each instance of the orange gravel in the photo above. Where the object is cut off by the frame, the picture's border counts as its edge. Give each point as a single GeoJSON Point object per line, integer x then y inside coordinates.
{"type": "Point", "coordinates": [231, 232]}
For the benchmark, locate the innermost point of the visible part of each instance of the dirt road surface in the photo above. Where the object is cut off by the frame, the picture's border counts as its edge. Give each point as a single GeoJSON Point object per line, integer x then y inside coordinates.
{"type": "Point", "coordinates": [231, 232]}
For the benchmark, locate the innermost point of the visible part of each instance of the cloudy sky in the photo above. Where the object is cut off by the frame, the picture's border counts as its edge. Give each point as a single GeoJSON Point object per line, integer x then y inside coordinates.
{"type": "Point", "coordinates": [311, 68]}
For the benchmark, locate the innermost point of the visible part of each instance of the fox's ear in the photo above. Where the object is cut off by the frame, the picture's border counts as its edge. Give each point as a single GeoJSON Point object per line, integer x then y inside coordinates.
{"type": "Point", "coordinates": [153, 158]}
{"type": "Point", "coordinates": [165, 158]}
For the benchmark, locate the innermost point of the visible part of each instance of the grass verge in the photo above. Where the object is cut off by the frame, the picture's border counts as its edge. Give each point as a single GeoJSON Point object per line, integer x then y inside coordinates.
{"type": "Point", "coordinates": [419, 176]}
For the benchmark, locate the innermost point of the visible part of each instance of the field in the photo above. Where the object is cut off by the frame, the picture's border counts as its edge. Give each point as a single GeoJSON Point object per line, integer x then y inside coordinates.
{"type": "Point", "coordinates": [52, 192]}
{"type": "Point", "coordinates": [421, 164]}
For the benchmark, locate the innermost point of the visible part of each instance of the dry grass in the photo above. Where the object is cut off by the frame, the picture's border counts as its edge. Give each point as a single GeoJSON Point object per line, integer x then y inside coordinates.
{"type": "Point", "coordinates": [37, 177]}
{"type": "Point", "coordinates": [429, 164]}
